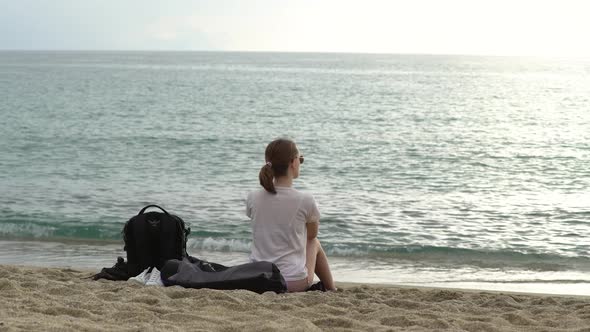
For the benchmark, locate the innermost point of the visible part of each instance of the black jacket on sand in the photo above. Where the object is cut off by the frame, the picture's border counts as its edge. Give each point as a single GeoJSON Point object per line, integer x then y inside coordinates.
{"type": "Point", "coordinates": [192, 272]}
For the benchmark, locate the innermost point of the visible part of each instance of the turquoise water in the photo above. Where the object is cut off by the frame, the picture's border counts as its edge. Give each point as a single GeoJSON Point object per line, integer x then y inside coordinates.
{"type": "Point", "coordinates": [447, 162]}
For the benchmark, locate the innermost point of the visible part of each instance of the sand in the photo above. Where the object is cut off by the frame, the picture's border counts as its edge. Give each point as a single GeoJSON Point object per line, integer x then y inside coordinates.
{"type": "Point", "coordinates": [53, 299]}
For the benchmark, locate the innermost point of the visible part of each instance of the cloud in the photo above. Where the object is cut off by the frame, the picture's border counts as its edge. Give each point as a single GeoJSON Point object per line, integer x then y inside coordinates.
{"type": "Point", "coordinates": [168, 28]}
{"type": "Point", "coordinates": [180, 32]}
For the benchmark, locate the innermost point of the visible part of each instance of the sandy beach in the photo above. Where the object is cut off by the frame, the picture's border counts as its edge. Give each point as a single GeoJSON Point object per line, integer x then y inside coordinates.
{"type": "Point", "coordinates": [54, 299]}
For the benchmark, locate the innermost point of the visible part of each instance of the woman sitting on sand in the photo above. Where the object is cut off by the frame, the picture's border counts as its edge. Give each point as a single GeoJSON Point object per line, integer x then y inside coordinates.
{"type": "Point", "coordinates": [285, 221]}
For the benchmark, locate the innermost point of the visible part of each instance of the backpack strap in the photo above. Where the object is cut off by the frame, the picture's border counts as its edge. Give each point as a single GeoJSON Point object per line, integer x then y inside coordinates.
{"type": "Point", "coordinates": [152, 205]}
{"type": "Point", "coordinates": [182, 232]}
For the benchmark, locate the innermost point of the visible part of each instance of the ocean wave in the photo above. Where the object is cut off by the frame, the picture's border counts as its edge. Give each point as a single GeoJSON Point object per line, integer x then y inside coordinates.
{"type": "Point", "coordinates": [481, 257]}
{"type": "Point", "coordinates": [442, 256]}
{"type": "Point", "coordinates": [219, 244]}
{"type": "Point", "coordinates": [39, 228]}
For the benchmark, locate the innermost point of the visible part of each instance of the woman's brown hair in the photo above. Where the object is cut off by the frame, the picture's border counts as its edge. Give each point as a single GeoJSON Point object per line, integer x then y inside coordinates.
{"type": "Point", "coordinates": [279, 154]}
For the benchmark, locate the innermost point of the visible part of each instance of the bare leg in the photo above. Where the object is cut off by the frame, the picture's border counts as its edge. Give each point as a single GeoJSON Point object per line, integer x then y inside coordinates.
{"type": "Point", "coordinates": [317, 263]}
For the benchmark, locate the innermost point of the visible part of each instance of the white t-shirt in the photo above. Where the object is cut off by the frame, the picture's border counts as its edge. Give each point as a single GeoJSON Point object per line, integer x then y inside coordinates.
{"type": "Point", "coordinates": [279, 232]}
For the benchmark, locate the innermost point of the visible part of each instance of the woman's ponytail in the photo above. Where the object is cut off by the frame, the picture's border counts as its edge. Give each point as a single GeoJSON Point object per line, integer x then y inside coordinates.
{"type": "Point", "coordinates": [266, 177]}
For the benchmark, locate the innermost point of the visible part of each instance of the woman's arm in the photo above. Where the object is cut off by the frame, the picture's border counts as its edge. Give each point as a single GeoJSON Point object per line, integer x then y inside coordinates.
{"type": "Point", "coordinates": [312, 230]}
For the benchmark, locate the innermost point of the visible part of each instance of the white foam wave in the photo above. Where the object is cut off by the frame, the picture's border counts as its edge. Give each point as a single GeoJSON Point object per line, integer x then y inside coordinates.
{"type": "Point", "coordinates": [213, 244]}
{"type": "Point", "coordinates": [36, 231]}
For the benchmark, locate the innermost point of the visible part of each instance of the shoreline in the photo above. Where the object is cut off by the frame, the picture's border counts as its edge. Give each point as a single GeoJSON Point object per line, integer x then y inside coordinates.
{"type": "Point", "coordinates": [355, 270]}
{"type": "Point", "coordinates": [39, 298]}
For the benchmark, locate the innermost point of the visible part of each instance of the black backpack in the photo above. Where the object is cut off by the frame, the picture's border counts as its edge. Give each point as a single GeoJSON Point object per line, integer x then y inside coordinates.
{"type": "Point", "coordinates": [152, 238]}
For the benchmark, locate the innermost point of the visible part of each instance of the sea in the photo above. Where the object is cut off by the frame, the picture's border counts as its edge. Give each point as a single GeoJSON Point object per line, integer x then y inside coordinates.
{"type": "Point", "coordinates": [429, 170]}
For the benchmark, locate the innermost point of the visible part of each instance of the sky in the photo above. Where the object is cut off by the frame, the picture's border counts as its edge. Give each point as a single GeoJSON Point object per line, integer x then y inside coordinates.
{"type": "Point", "coordinates": [481, 27]}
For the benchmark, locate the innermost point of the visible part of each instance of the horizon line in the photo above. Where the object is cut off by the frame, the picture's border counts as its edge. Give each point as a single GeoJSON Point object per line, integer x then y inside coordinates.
{"type": "Point", "coordinates": [301, 52]}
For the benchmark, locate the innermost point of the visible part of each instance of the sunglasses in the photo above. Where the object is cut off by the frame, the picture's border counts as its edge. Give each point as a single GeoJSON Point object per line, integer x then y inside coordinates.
{"type": "Point", "coordinates": [301, 159]}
